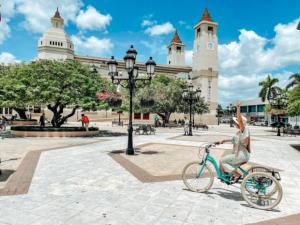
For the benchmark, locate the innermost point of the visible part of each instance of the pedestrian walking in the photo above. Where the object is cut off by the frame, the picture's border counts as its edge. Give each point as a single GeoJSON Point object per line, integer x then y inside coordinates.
{"type": "Point", "coordinates": [186, 126]}
{"type": "Point", "coordinates": [3, 123]}
{"type": "Point", "coordinates": [42, 120]}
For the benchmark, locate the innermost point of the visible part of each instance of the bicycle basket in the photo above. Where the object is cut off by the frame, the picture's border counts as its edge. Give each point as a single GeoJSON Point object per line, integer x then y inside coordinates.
{"type": "Point", "coordinates": [202, 151]}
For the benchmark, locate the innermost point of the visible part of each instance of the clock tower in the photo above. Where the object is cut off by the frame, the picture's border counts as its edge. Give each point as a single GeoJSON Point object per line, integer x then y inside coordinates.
{"type": "Point", "coordinates": [206, 64]}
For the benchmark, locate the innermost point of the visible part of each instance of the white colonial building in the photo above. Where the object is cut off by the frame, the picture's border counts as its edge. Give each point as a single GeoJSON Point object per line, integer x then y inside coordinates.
{"type": "Point", "coordinates": [56, 44]}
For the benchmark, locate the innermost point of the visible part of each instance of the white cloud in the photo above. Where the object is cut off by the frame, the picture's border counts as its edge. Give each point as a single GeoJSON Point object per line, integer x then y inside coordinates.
{"type": "Point", "coordinates": [252, 54]}
{"type": "Point", "coordinates": [92, 45]}
{"type": "Point", "coordinates": [8, 58]}
{"type": "Point", "coordinates": [185, 25]}
{"type": "Point", "coordinates": [188, 57]}
{"type": "Point", "coordinates": [91, 19]}
{"type": "Point", "coordinates": [37, 13]}
{"type": "Point", "coordinates": [160, 29]}
{"type": "Point", "coordinates": [241, 87]}
{"type": "Point", "coordinates": [156, 47]}
{"type": "Point", "coordinates": [245, 62]}
{"type": "Point", "coordinates": [4, 31]}
{"type": "Point", "coordinates": [8, 8]}
{"type": "Point", "coordinates": [147, 23]}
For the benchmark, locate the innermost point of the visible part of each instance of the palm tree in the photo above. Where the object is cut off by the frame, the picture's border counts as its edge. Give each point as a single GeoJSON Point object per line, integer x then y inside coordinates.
{"type": "Point", "coordinates": [295, 80]}
{"type": "Point", "coordinates": [268, 89]}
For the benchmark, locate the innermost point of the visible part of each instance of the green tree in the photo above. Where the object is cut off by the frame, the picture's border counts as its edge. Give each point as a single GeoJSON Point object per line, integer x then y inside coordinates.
{"type": "Point", "coordinates": [15, 88]}
{"type": "Point", "coordinates": [295, 80]}
{"type": "Point", "coordinates": [268, 88]}
{"type": "Point", "coordinates": [293, 108]}
{"type": "Point", "coordinates": [166, 91]}
{"type": "Point", "coordinates": [68, 84]}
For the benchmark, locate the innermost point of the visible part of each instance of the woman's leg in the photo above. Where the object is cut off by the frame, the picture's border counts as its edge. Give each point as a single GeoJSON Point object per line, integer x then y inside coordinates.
{"type": "Point", "coordinates": [226, 163]}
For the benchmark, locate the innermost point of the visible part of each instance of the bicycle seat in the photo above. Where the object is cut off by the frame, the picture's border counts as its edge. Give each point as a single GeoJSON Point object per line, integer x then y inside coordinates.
{"type": "Point", "coordinates": [243, 163]}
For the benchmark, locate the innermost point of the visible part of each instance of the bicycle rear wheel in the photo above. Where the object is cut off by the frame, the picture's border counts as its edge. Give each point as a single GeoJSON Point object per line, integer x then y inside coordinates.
{"type": "Point", "coordinates": [261, 190]}
{"type": "Point", "coordinates": [196, 183]}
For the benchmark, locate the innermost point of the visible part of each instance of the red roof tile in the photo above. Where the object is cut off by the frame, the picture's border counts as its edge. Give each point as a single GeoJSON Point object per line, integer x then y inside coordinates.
{"type": "Point", "coordinates": [206, 16]}
{"type": "Point", "coordinates": [176, 38]}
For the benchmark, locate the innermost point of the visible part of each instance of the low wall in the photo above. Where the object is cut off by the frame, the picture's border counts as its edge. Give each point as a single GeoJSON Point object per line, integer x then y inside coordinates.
{"type": "Point", "coordinates": [54, 133]}
{"type": "Point", "coordinates": [23, 123]}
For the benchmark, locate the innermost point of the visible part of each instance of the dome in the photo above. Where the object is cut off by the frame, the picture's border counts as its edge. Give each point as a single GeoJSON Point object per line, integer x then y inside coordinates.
{"type": "Point", "coordinates": [55, 43]}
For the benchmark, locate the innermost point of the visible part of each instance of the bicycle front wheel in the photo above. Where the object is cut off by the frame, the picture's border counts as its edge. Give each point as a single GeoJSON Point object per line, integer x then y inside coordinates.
{"type": "Point", "coordinates": [197, 182]}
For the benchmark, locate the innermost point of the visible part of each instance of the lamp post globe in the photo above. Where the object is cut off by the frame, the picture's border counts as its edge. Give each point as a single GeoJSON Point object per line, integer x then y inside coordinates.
{"type": "Point", "coordinates": [112, 66]}
{"type": "Point", "coordinates": [129, 62]}
{"type": "Point", "coordinates": [132, 51]}
{"type": "Point", "coordinates": [150, 67]}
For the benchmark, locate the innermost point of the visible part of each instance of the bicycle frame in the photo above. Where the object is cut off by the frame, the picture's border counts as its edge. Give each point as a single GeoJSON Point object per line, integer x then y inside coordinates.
{"type": "Point", "coordinates": [224, 177]}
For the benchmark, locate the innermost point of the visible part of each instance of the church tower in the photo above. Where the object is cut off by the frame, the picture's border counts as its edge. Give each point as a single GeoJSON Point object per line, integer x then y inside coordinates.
{"type": "Point", "coordinates": [176, 55]}
{"type": "Point", "coordinates": [55, 43]}
{"type": "Point", "coordinates": [205, 64]}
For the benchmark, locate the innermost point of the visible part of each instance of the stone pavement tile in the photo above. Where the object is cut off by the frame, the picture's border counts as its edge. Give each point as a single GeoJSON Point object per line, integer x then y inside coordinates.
{"type": "Point", "coordinates": [177, 213]}
{"type": "Point", "coordinates": [155, 210]}
{"type": "Point", "coordinates": [188, 205]}
{"type": "Point", "coordinates": [147, 218]}
{"type": "Point", "coordinates": [167, 221]}
{"type": "Point", "coordinates": [203, 214]}
{"type": "Point", "coordinates": [2, 223]}
{"type": "Point", "coordinates": [17, 217]}
{"type": "Point", "coordinates": [230, 219]}
{"type": "Point", "coordinates": [86, 218]}
{"type": "Point", "coordinates": [55, 211]}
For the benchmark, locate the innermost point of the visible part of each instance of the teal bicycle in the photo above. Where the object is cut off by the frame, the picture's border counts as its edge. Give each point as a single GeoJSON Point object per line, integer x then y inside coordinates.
{"type": "Point", "coordinates": [260, 186]}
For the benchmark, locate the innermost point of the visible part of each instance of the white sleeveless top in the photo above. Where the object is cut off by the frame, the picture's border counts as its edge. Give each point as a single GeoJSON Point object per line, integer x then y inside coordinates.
{"type": "Point", "coordinates": [238, 139]}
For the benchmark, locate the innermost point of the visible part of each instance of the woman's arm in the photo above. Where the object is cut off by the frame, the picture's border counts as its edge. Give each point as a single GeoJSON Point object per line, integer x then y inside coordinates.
{"type": "Point", "coordinates": [239, 116]}
{"type": "Point", "coordinates": [226, 140]}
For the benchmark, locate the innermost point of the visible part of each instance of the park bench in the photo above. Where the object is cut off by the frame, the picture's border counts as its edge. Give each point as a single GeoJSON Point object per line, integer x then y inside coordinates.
{"type": "Point", "coordinates": [117, 123]}
{"type": "Point", "coordinates": [172, 124]}
{"type": "Point", "coordinates": [145, 129]}
{"type": "Point", "coordinates": [201, 125]}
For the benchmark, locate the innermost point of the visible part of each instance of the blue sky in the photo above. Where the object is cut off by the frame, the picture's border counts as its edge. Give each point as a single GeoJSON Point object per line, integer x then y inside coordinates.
{"type": "Point", "coordinates": [255, 37]}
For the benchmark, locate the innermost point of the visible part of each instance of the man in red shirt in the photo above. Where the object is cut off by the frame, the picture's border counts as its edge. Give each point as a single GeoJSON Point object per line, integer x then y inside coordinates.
{"type": "Point", "coordinates": [85, 121]}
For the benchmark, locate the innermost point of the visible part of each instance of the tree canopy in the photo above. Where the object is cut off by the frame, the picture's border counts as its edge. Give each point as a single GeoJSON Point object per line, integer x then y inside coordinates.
{"type": "Point", "coordinates": [166, 91]}
{"type": "Point", "coordinates": [293, 108]}
{"type": "Point", "coordinates": [54, 84]}
{"type": "Point", "coordinates": [268, 88]}
{"type": "Point", "coordinates": [15, 88]}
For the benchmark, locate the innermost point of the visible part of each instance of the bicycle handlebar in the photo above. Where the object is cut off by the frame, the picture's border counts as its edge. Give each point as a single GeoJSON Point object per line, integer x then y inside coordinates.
{"type": "Point", "coordinates": [208, 146]}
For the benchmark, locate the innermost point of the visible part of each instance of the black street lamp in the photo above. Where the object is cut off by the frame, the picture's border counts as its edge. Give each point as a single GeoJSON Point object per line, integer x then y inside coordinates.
{"type": "Point", "coordinates": [191, 96]}
{"type": "Point", "coordinates": [219, 114]}
{"type": "Point", "coordinates": [279, 102]}
{"type": "Point", "coordinates": [133, 76]}
{"type": "Point", "coordinates": [231, 111]}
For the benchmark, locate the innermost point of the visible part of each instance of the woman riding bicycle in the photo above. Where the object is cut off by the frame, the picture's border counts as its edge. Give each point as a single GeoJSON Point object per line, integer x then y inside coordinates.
{"type": "Point", "coordinates": [241, 147]}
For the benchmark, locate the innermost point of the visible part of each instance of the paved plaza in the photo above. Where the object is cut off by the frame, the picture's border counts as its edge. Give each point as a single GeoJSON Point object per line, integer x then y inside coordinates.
{"type": "Point", "coordinates": [80, 182]}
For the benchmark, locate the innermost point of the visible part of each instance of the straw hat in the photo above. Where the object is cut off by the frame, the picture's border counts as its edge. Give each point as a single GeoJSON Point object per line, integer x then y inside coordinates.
{"type": "Point", "coordinates": [243, 118]}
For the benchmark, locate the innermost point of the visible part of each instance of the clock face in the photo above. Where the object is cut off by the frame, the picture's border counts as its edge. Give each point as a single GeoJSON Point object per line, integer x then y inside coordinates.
{"type": "Point", "coordinates": [210, 46]}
